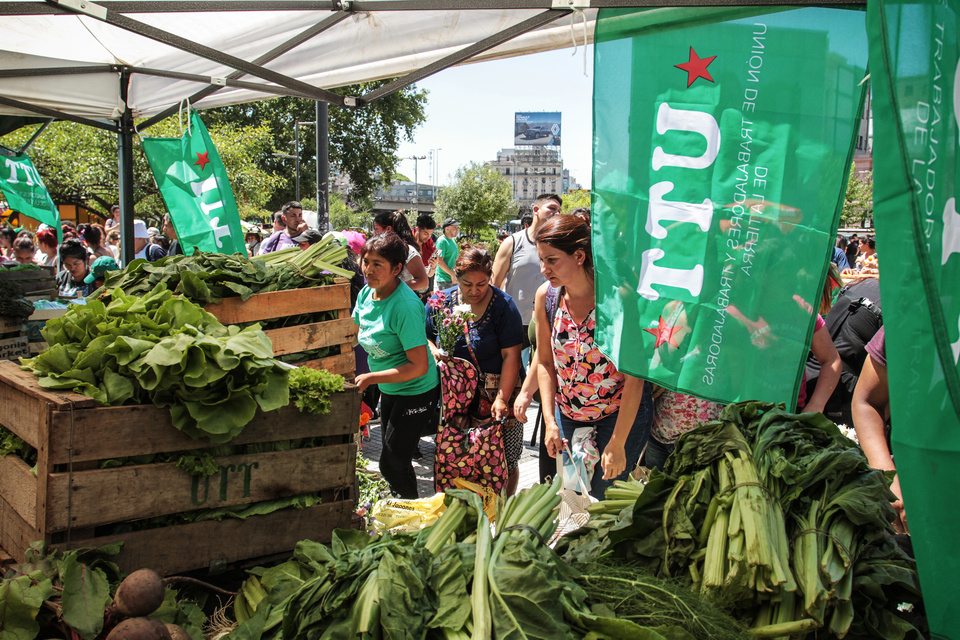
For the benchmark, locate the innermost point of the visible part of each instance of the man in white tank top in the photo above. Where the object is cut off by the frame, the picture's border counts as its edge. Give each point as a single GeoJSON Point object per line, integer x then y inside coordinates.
{"type": "Point", "coordinates": [516, 269]}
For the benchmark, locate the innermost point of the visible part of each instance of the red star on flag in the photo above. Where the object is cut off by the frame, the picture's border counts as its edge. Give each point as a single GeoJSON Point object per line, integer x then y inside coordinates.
{"type": "Point", "coordinates": [664, 333]}
{"type": "Point", "coordinates": [202, 159]}
{"type": "Point", "coordinates": [696, 67]}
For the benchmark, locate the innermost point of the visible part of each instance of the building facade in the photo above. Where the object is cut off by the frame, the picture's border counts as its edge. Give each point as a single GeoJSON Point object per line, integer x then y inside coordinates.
{"type": "Point", "coordinates": [531, 172]}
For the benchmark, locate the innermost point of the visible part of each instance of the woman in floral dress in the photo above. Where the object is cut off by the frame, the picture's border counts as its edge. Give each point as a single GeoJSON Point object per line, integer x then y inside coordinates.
{"type": "Point", "coordinates": [579, 385]}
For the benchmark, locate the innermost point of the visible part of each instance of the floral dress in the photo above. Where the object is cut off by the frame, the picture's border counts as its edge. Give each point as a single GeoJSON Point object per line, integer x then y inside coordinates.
{"type": "Point", "coordinates": [588, 383]}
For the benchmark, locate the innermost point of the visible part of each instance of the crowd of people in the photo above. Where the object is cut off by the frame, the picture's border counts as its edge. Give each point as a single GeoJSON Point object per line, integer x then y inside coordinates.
{"type": "Point", "coordinates": [537, 290]}
{"type": "Point", "coordinates": [84, 252]}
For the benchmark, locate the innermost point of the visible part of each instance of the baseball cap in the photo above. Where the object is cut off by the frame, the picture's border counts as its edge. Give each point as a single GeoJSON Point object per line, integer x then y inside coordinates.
{"type": "Point", "coordinates": [450, 222]}
{"type": "Point", "coordinates": [100, 267]}
{"type": "Point", "coordinates": [153, 231]}
{"type": "Point", "coordinates": [140, 229]}
{"type": "Point", "coordinates": [310, 235]}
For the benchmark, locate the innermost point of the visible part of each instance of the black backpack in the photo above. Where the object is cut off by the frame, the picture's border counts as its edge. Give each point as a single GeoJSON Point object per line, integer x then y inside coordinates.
{"type": "Point", "coordinates": [853, 320]}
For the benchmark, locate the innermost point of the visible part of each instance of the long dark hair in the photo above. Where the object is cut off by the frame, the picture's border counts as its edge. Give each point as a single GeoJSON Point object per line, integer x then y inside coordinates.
{"type": "Point", "coordinates": [568, 233]}
{"type": "Point", "coordinates": [398, 222]}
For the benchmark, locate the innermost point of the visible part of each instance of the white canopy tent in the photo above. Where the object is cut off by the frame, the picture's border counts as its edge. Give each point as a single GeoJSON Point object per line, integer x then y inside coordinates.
{"type": "Point", "coordinates": [110, 62]}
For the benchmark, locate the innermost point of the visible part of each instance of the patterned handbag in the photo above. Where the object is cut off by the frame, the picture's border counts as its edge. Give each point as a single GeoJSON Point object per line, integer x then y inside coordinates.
{"type": "Point", "coordinates": [471, 452]}
{"type": "Point", "coordinates": [469, 445]}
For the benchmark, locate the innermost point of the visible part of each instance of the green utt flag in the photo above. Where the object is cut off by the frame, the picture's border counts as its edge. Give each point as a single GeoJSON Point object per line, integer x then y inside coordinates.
{"type": "Point", "coordinates": [914, 55]}
{"type": "Point", "coordinates": [22, 186]}
{"type": "Point", "coordinates": [196, 190]}
{"type": "Point", "coordinates": [723, 140]}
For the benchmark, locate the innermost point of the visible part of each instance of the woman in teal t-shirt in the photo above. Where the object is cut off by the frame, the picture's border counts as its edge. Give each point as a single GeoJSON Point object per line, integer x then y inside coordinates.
{"type": "Point", "coordinates": [392, 331]}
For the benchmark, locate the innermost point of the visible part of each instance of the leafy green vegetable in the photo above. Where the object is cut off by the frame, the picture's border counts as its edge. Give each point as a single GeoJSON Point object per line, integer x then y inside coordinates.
{"type": "Point", "coordinates": [311, 389]}
{"type": "Point", "coordinates": [776, 515]}
{"type": "Point", "coordinates": [210, 277]}
{"type": "Point", "coordinates": [86, 593]}
{"type": "Point", "coordinates": [20, 602]}
{"type": "Point", "coordinates": [163, 349]}
{"type": "Point", "coordinates": [12, 302]}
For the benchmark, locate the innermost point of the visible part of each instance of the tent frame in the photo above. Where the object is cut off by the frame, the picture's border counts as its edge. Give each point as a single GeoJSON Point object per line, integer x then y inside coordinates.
{"type": "Point", "coordinates": [114, 13]}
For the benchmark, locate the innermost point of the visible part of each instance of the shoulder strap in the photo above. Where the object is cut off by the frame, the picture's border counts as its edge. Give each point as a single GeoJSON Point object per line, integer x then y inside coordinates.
{"type": "Point", "coordinates": [473, 356]}
{"type": "Point", "coordinates": [552, 303]}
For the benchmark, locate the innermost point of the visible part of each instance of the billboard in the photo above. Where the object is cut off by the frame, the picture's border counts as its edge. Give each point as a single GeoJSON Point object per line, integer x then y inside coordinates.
{"type": "Point", "coordinates": [541, 128]}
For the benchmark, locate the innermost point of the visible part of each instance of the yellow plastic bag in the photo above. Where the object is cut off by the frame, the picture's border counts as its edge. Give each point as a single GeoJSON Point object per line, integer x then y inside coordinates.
{"type": "Point", "coordinates": [406, 515]}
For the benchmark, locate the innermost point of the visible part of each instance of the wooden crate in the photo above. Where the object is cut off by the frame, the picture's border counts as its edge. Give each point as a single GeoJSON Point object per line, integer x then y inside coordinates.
{"type": "Point", "coordinates": [40, 282]}
{"type": "Point", "coordinates": [297, 339]}
{"type": "Point", "coordinates": [71, 502]}
{"type": "Point", "coordinates": [14, 348]}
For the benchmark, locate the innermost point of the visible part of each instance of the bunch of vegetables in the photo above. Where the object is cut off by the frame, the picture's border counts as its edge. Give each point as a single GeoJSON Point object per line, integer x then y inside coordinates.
{"type": "Point", "coordinates": [456, 579]}
{"type": "Point", "coordinates": [776, 515]}
{"type": "Point", "coordinates": [70, 593]}
{"type": "Point", "coordinates": [209, 277]}
{"type": "Point", "coordinates": [12, 302]}
{"type": "Point", "coordinates": [165, 350]}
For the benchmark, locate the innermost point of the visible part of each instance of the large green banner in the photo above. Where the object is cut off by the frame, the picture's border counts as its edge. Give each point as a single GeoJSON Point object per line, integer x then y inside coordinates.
{"type": "Point", "coordinates": [24, 190]}
{"type": "Point", "coordinates": [723, 140]}
{"type": "Point", "coordinates": [196, 190]}
{"type": "Point", "coordinates": [914, 55]}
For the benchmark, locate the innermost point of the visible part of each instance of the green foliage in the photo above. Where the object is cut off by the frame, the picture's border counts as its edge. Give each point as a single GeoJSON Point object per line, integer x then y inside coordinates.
{"type": "Point", "coordinates": [344, 216]}
{"type": "Point", "coordinates": [575, 198]}
{"type": "Point", "coordinates": [165, 350]}
{"type": "Point", "coordinates": [79, 165]}
{"type": "Point", "coordinates": [12, 302]}
{"type": "Point", "coordinates": [363, 140]}
{"type": "Point", "coordinates": [478, 196]}
{"type": "Point", "coordinates": [310, 389]}
{"type": "Point", "coordinates": [858, 202]}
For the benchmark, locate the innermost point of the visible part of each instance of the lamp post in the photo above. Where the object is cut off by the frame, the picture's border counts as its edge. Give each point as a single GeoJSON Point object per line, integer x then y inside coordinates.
{"type": "Point", "coordinates": [416, 183]}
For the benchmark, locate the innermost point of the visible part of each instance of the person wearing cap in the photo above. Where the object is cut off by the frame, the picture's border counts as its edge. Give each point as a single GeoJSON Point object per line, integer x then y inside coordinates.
{"type": "Point", "coordinates": [308, 238]}
{"type": "Point", "coordinates": [98, 271]}
{"type": "Point", "coordinates": [142, 246]}
{"type": "Point", "coordinates": [447, 254]}
{"type": "Point", "coordinates": [253, 238]}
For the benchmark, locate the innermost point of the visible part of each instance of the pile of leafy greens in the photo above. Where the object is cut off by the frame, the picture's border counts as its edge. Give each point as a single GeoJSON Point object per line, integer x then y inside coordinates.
{"type": "Point", "coordinates": [163, 349]}
{"type": "Point", "coordinates": [777, 515]}
{"type": "Point", "coordinates": [12, 302]}
{"type": "Point", "coordinates": [210, 277]}
{"type": "Point", "coordinates": [66, 594]}
{"type": "Point", "coordinates": [456, 579]}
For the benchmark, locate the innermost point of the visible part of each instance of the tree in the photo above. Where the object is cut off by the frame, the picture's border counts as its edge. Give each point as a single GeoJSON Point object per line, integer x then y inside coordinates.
{"type": "Point", "coordinates": [79, 166]}
{"type": "Point", "coordinates": [858, 203]}
{"type": "Point", "coordinates": [480, 195]}
{"type": "Point", "coordinates": [574, 199]}
{"type": "Point", "coordinates": [343, 216]}
{"type": "Point", "coordinates": [363, 140]}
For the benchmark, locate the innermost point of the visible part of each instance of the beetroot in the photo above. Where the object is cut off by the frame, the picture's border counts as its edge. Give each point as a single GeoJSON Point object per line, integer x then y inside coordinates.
{"type": "Point", "coordinates": [140, 629]}
{"type": "Point", "coordinates": [140, 594]}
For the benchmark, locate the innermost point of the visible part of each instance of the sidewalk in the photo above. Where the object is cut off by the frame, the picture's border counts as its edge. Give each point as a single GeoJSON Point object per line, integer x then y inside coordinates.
{"type": "Point", "coordinates": [529, 459]}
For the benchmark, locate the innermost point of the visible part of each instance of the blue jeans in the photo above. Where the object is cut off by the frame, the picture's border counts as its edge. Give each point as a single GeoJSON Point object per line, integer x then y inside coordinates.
{"type": "Point", "coordinates": [657, 453]}
{"type": "Point", "coordinates": [637, 438]}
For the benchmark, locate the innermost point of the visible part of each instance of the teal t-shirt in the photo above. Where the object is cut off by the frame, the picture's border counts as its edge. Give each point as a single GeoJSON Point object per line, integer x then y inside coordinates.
{"type": "Point", "coordinates": [449, 251]}
{"type": "Point", "coordinates": [387, 329]}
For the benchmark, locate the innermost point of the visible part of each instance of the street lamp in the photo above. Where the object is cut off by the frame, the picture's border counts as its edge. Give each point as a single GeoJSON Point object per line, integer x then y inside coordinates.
{"type": "Point", "coordinates": [416, 182]}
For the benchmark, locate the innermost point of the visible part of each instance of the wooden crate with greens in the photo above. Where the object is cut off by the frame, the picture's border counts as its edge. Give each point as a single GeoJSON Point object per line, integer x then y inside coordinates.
{"type": "Point", "coordinates": [288, 320]}
{"type": "Point", "coordinates": [76, 473]}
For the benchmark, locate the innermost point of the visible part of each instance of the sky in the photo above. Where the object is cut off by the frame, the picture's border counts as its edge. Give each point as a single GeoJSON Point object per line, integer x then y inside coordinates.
{"type": "Point", "coordinates": [470, 111]}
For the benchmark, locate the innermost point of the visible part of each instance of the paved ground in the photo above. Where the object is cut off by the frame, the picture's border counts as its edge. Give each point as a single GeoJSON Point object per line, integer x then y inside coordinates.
{"type": "Point", "coordinates": [529, 459]}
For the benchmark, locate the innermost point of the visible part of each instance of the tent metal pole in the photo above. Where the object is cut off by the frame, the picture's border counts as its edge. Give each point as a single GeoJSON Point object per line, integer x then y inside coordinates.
{"type": "Point", "coordinates": [36, 134]}
{"type": "Point", "coordinates": [125, 162]}
{"type": "Point", "coordinates": [323, 167]}
{"type": "Point", "coordinates": [58, 71]}
{"type": "Point", "coordinates": [464, 54]}
{"type": "Point", "coordinates": [273, 54]}
{"type": "Point", "coordinates": [165, 37]}
{"type": "Point", "coordinates": [57, 115]}
{"type": "Point", "coordinates": [220, 82]}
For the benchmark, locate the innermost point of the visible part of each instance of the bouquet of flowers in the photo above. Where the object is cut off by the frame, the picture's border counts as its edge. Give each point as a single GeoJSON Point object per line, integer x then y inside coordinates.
{"type": "Point", "coordinates": [448, 323]}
